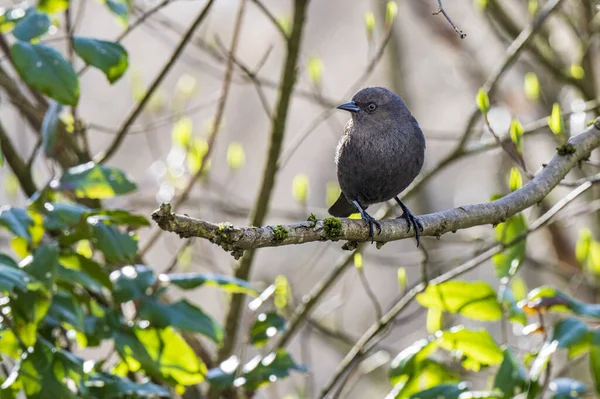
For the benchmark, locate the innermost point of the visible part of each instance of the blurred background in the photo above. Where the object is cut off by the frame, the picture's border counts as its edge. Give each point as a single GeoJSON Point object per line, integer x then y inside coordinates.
{"type": "Point", "coordinates": [424, 60]}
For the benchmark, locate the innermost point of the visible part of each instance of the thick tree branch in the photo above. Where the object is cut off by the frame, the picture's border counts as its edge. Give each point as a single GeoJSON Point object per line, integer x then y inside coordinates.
{"type": "Point", "coordinates": [237, 239]}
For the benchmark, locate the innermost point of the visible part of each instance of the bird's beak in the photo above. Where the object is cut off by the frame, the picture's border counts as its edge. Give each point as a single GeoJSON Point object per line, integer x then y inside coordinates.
{"type": "Point", "coordinates": [349, 106]}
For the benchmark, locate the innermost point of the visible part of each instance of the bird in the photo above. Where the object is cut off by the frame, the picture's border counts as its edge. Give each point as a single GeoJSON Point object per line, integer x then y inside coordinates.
{"type": "Point", "coordinates": [380, 153]}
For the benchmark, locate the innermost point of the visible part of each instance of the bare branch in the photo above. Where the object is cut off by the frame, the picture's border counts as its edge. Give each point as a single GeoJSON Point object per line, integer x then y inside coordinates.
{"type": "Point", "coordinates": [239, 239]}
{"type": "Point", "coordinates": [441, 10]}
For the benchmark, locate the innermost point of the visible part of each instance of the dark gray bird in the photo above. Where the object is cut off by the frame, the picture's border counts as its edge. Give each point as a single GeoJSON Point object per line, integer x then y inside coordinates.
{"type": "Point", "coordinates": [379, 155]}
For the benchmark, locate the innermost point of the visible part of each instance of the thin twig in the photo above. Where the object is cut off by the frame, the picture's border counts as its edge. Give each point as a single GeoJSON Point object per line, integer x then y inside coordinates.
{"type": "Point", "coordinates": [370, 293]}
{"type": "Point", "coordinates": [441, 10]}
{"type": "Point", "coordinates": [16, 164]}
{"type": "Point", "coordinates": [272, 18]}
{"type": "Point", "coordinates": [133, 115]}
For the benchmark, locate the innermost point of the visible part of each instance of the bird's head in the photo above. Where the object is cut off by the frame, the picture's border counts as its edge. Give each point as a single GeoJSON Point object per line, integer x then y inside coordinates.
{"type": "Point", "coordinates": [376, 106]}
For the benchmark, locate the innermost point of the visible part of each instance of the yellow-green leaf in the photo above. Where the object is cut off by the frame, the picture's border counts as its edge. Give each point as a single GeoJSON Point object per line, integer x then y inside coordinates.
{"type": "Point", "coordinates": [577, 71]}
{"type": "Point", "coordinates": [508, 261]}
{"type": "Point", "coordinates": [532, 7]}
{"type": "Point", "coordinates": [483, 101]}
{"type": "Point", "coordinates": [182, 132]}
{"type": "Point", "coordinates": [519, 288]}
{"type": "Point", "coordinates": [236, 157]}
{"type": "Point", "coordinates": [369, 23]}
{"type": "Point", "coordinates": [315, 70]}
{"type": "Point", "coordinates": [584, 243]}
{"type": "Point", "coordinates": [358, 260]}
{"type": "Point", "coordinates": [282, 292]}
{"type": "Point", "coordinates": [434, 320]}
{"type": "Point", "coordinates": [391, 11]}
{"type": "Point", "coordinates": [555, 120]}
{"type": "Point", "coordinates": [516, 134]}
{"type": "Point", "coordinates": [402, 279]}
{"type": "Point", "coordinates": [481, 4]}
{"type": "Point", "coordinates": [196, 152]}
{"type": "Point", "coordinates": [476, 300]}
{"type": "Point", "coordinates": [515, 181]}
{"type": "Point", "coordinates": [300, 186]}
{"type": "Point", "coordinates": [477, 345]}
{"type": "Point", "coordinates": [532, 86]}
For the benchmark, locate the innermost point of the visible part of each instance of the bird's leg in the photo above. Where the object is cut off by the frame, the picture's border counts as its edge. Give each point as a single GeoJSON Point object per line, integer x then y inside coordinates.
{"type": "Point", "coordinates": [369, 219]}
{"type": "Point", "coordinates": [411, 219]}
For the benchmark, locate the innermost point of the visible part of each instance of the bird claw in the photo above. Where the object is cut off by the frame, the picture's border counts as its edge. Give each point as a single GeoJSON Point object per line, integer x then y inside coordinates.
{"type": "Point", "coordinates": [412, 221]}
{"type": "Point", "coordinates": [371, 221]}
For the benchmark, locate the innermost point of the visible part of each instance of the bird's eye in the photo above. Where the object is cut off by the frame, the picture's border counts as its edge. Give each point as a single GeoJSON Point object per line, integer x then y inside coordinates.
{"type": "Point", "coordinates": [371, 107]}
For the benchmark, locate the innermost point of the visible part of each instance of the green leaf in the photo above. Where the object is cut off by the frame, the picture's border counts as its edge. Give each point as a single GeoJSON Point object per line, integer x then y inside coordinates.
{"type": "Point", "coordinates": [236, 156]}
{"type": "Point", "coordinates": [109, 57]}
{"type": "Point", "coordinates": [508, 261]}
{"type": "Point", "coordinates": [36, 372]}
{"type": "Point", "coordinates": [483, 101]}
{"type": "Point", "coordinates": [510, 376]}
{"type": "Point", "coordinates": [428, 374]}
{"type": "Point", "coordinates": [45, 69]}
{"type": "Point", "coordinates": [10, 15]}
{"type": "Point", "coordinates": [566, 388]}
{"type": "Point", "coordinates": [17, 221]}
{"type": "Point", "coordinates": [595, 359]}
{"type": "Point", "coordinates": [33, 25]}
{"type": "Point", "coordinates": [181, 315]}
{"type": "Point", "coordinates": [11, 276]}
{"type": "Point", "coordinates": [406, 363]}
{"type": "Point", "coordinates": [477, 345]}
{"type": "Point", "coordinates": [120, 9]}
{"type": "Point", "coordinates": [569, 332]}
{"type": "Point", "coordinates": [189, 281]}
{"type": "Point", "coordinates": [90, 180]}
{"type": "Point", "coordinates": [476, 300]}
{"type": "Point", "coordinates": [555, 120]}
{"type": "Point", "coordinates": [66, 309]}
{"type": "Point", "coordinates": [52, 6]}
{"type": "Point", "coordinates": [50, 129]}
{"type": "Point", "coordinates": [257, 372]}
{"type": "Point", "coordinates": [89, 267]}
{"type": "Point", "coordinates": [117, 247]}
{"type": "Point", "coordinates": [516, 134]}
{"type": "Point", "coordinates": [109, 386]}
{"type": "Point", "coordinates": [62, 215]}
{"type": "Point", "coordinates": [442, 391]}
{"type": "Point", "coordinates": [28, 309]}
{"type": "Point", "coordinates": [131, 282]}
{"type": "Point", "coordinates": [43, 265]}
{"type": "Point", "coordinates": [161, 352]}
{"type": "Point", "coordinates": [119, 217]}
{"type": "Point", "coordinates": [532, 85]}
{"type": "Point", "coordinates": [1, 157]}
{"type": "Point", "coordinates": [265, 327]}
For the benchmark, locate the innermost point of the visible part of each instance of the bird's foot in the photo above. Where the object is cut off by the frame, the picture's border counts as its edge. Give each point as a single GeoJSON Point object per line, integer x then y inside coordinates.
{"type": "Point", "coordinates": [411, 219]}
{"type": "Point", "coordinates": [371, 221]}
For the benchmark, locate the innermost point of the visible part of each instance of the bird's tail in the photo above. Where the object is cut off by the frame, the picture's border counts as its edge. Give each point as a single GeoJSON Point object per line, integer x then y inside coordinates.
{"type": "Point", "coordinates": [342, 208]}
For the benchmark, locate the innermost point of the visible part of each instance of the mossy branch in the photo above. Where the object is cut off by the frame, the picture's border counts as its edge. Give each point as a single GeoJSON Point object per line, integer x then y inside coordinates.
{"type": "Point", "coordinates": [238, 239]}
